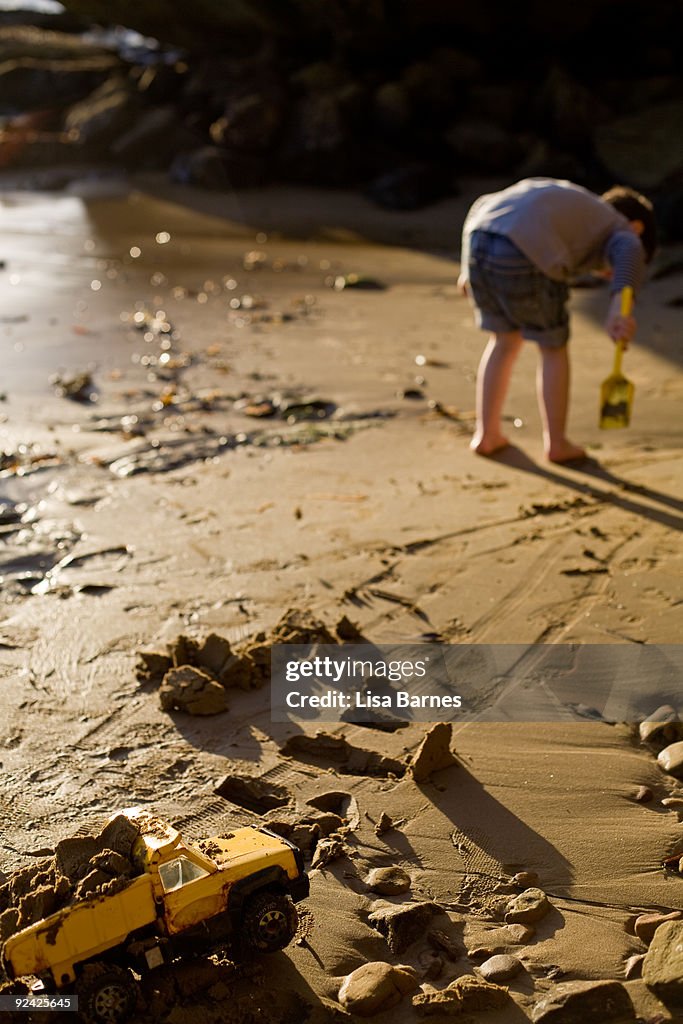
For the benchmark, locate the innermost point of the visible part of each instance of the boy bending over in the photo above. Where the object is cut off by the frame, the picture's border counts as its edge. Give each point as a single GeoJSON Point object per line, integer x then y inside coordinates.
{"type": "Point", "coordinates": [520, 247]}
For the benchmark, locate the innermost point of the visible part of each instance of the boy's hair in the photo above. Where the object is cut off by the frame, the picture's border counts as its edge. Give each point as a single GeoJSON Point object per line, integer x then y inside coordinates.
{"type": "Point", "coordinates": [635, 207]}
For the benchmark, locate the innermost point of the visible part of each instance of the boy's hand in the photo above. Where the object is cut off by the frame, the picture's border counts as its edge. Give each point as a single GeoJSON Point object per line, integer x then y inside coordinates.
{"type": "Point", "coordinates": [462, 285]}
{"type": "Point", "coordinates": [620, 328]}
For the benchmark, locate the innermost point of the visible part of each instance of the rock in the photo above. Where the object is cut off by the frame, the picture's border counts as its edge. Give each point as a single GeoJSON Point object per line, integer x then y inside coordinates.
{"type": "Point", "coordinates": [384, 824]}
{"type": "Point", "coordinates": [525, 878]}
{"type": "Point", "coordinates": [500, 968]}
{"type": "Point", "coordinates": [663, 963]}
{"type": "Point", "coordinates": [567, 109]}
{"type": "Point", "coordinates": [647, 924]}
{"type": "Point", "coordinates": [440, 940]}
{"type": "Point", "coordinates": [444, 1003]}
{"type": "Point", "coordinates": [671, 759]}
{"type": "Point", "coordinates": [327, 850]}
{"type": "Point", "coordinates": [390, 881]}
{"type": "Point", "coordinates": [207, 167]}
{"type": "Point", "coordinates": [104, 114]}
{"type": "Point", "coordinates": [661, 727]}
{"type": "Point", "coordinates": [190, 690]}
{"type": "Point", "coordinates": [644, 149]}
{"type": "Point", "coordinates": [434, 753]}
{"type": "Point", "coordinates": [153, 139]}
{"type": "Point", "coordinates": [590, 1002]}
{"type": "Point", "coordinates": [376, 987]}
{"type": "Point", "coordinates": [483, 145]}
{"type": "Point", "coordinates": [42, 70]}
{"type": "Point", "coordinates": [633, 968]}
{"type": "Point", "coordinates": [478, 994]}
{"type": "Point", "coordinates": [530, 906]}
{"type": "Point", "coordinates": [643, 795]}
{"type": "Point", "coordinates": [403, 924]}
{"type": "Point", "coordinates": [411, 187]}
{"type": "Point", "coordinates": [520, 933]}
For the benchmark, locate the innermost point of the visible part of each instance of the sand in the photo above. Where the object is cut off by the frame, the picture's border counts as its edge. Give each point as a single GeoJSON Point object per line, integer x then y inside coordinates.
{"type": "Point", "coordinates": [379, 513]}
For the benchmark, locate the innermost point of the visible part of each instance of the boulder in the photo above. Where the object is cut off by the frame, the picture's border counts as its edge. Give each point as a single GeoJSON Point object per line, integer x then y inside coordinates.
{"type": "Point", "coordinates": [376, 987]}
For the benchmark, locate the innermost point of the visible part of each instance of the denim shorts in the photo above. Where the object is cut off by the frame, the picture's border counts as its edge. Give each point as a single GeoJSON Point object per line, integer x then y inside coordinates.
{"type": "Point", "coordinates": [511, 294]}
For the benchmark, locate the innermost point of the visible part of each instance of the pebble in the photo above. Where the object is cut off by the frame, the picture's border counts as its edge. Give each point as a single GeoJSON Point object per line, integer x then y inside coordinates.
{"type": "Point", "coordinates": [643, 795]}
{"type": "Point", "coordinates": [520, 933]}
{"type": "Point", "coordinates": [500, 968]}
{"type": "Point", "coordinates": [663, 963]}
{"type": "Point", "coordinates": [671, 759]}
{"type": "Point", "coordinates": [661, 725]}
{"type": "Point", "coordinates": [590, 1002]}
{"type": "Point", "coordinates": [530, 906]}
{"type": "Point", "coordinates": [376, 987]}
{"type": "Point", "coordinates": [389, 881]}
{"type": "Point", "coordinates": [647, 924]}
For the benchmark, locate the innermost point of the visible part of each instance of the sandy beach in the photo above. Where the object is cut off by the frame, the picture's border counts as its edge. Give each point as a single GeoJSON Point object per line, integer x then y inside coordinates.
{"type": "Point", "coordinates": [275, 414]}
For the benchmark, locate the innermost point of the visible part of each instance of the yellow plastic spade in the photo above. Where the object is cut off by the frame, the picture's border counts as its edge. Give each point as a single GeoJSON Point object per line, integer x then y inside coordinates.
{"type": "Point", "coordinates": [616, 393]}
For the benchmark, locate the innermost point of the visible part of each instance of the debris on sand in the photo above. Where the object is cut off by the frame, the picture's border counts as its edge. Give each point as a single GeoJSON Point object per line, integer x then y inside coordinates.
{"type": "Point", "coordinates": [252, 793]}
{"type": "Point", "coordinates": [376, 987]}
{"type": "Point", "coordinates": [214, 661]}
{"type": "Point", "coordinates": [79, 387]}
{"type": "Point", "coordinates": [434, 753]}
{"type": "Point", "coordinates": [343, 281]}
{"type": "Point", "coordinates": [88, 865]}
{"type": "Point", "coordinates": [323, 748]}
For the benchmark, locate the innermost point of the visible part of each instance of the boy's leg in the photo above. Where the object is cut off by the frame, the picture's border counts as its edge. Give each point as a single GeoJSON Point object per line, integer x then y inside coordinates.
{"type": "Point", "coordinates": [552, 382]}
{"type": "Point", "coordinates": [493, 379]}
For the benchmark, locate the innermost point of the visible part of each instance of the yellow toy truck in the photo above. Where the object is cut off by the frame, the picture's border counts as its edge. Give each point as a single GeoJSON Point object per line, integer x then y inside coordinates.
{"type": "Point", "coordinates": [239, 887]}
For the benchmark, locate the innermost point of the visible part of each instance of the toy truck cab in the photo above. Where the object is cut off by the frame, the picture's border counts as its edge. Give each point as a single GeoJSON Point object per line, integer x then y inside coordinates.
{"type": "Point", "coordinates": [236, 888]}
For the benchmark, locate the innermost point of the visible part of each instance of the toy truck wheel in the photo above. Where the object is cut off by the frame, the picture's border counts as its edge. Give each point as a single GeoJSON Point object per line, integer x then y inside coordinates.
{"type": "Point", "coordinates": [269, 923]}
{"type": "Point", "coordinates": [107, 994]}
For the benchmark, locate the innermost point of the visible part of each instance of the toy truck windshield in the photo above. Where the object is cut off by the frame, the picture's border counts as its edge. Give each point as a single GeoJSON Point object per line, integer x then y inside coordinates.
{"type": "Point", "coordinates": [176, 873]}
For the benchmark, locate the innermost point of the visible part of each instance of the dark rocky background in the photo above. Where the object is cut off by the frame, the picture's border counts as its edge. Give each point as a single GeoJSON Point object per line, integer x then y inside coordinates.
{"type": "Point", "coordinates": [399, 98]}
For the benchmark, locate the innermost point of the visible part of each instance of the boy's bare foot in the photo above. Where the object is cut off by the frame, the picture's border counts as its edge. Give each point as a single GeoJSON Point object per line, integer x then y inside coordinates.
{"type": "Point", "coordinates": [565, 451]}
{"type": "Point", "coordinates": [488, 445]}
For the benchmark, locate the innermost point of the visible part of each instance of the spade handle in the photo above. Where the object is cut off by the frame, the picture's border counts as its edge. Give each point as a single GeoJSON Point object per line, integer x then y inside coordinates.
{"type": "Point", "coordinates": [626, 307]}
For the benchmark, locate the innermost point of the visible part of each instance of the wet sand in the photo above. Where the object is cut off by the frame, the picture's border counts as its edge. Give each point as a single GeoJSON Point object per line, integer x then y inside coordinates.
{"type": "Point", "coordinates": [190, 516]}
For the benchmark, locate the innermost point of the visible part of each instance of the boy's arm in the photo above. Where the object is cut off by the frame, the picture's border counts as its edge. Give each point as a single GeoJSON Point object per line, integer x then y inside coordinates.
{"type": "Point", "coordinates": [626, 256]}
